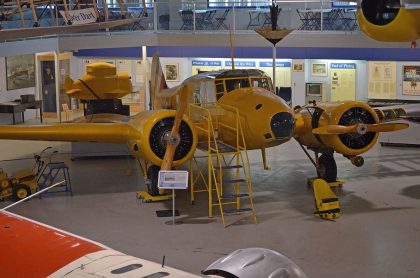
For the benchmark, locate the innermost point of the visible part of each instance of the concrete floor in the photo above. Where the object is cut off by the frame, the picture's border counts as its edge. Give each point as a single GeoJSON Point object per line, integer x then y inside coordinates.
{"type": "Point", "coordinates": [378, 234]}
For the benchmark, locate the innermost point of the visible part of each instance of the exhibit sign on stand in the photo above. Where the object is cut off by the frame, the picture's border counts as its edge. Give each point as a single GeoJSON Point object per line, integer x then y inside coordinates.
{"type": "Point", "coordinates": [343, 81]}
{"type": "Point", "coordinates": [382, 80]}
{"type": "Point", "coordinates": [173, 180]}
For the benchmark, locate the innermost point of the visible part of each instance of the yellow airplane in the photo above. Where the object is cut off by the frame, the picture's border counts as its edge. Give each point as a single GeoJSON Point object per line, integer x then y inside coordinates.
{"type": "Point", "coordinates": [165, 136]}
{"type": "Point", "coordinates": [390, 20]}
{"type": "Point", "coordinates": [100, 82]}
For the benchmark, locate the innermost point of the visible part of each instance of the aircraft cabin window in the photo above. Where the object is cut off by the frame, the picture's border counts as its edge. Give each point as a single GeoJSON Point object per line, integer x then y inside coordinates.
{"type": "Point", "coordinates": [232, 84]}
{"type": "Point", "coordinates": [220, 90]}
{"type": "Point", "coordinates": [207, 91]}
{"type": "Point", "coordinates": [261, 83]}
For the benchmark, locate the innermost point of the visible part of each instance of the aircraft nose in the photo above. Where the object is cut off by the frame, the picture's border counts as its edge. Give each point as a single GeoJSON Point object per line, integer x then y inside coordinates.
{"type": "Point", "coordinates": [282, 125]}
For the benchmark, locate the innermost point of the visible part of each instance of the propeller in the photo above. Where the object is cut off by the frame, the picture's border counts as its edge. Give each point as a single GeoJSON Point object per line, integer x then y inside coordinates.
{"type": "Point", "coordinates": [358, 128]}
{"type": "Point", "coordinates": [173, 138]}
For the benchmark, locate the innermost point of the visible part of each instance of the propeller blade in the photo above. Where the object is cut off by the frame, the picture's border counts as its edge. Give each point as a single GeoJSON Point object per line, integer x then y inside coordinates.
{"type": "Point", "coordinates": [388, 127]}
{"type": "Point", "coordinates": [174, 135]}
{"type": "Point", "coordinates": [334, 129]}
{"type": "Point", "coordinates": [358, 128]}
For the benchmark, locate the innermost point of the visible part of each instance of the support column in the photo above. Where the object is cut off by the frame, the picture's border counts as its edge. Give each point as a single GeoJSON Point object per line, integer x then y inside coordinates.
{"type": "Point", "coordinates": [57, 83]}
{"type": "Point", "coordinates": [274, 67]}
{"type": "Point", "coordinates": [146, 87]}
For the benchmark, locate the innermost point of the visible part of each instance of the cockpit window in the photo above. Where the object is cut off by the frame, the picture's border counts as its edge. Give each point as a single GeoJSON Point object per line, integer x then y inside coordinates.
{"type": "Point", "coordinates": [261, 82]}
{"type": "Point", "coordinates": [232, 84]}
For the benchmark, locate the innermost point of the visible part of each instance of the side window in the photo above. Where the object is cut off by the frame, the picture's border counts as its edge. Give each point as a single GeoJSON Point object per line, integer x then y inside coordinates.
{"type": "Point", "coordinates": [196, 93]}
{"type": "Point", "coordinates": [220, 89]}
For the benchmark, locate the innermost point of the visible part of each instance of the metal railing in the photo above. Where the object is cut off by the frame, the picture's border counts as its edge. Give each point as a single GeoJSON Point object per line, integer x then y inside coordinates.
{"type": "Point", "coordinates": [205, 16]}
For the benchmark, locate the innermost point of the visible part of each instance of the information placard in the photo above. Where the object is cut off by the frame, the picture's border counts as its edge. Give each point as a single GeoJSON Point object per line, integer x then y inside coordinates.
{"type": "Point", "coordinates": [173, 179]}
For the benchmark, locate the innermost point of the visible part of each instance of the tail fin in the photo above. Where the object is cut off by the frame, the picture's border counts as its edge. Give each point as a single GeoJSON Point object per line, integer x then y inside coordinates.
{"type": "Point", "coordinates": [68, 82]}
{"type": "Point", "coordinates": [158, 81]}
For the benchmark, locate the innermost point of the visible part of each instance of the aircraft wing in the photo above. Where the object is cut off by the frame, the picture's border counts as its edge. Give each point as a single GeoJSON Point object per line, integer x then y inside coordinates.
{"type": "Point", "coordinates": [78, 132]}
{"type": "Point", "coordinates": [51, 252]}
{"type": "Point", "coordinates": [102, 118]}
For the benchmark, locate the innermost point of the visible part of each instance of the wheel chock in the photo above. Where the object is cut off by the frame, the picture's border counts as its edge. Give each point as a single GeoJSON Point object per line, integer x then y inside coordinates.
{"type": "Point", "coordinates": [146, 197]}
{"type": "Point", "coordinates": [326, 202]}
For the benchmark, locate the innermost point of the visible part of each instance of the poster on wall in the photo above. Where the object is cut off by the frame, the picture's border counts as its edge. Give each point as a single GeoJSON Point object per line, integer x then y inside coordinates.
{"type": "Point", "coordinates": [49, 96]}
{"type": "Point", "coordinates": [108, 61]}
{"type": "Point", "coordinates": [319, 69]}
{"type": "Point", "coordinates": [87, 62]}
{"type": "Point", "coordinates": [382, 80]}
{"type": "Point", "coordinates": [200, 66]}
{"type": "Point", "coordinates": [411, 80]}
{"type": "Point", "coordinates": [283, 72]}
{"type": "Point", "coordinates": [124, 66]}
{"type": "Point", "coordinates": [343, 81]}
{"type": "Point", "coordinates": [20, 71]}
{"type": "Point", "coordinates": [298, 67]}
{"type": "Point", "coordinates": [139, 72]}
{"type": "Point", "coordinates": [171, 72]}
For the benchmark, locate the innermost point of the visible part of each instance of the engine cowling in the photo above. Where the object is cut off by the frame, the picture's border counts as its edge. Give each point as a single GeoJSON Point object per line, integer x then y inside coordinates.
{"type": "Point", "coordinates": [153, 127]}
{"type": "Point", "coordinates": [338, 113]}
{"type": "Point", "coordinates": [387, 20]}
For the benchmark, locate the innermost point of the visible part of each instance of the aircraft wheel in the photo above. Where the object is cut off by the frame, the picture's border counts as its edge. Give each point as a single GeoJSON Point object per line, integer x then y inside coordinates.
{"type": "Point", "coordinates": [21, 191]}
{"type": "Point", "coordinates": [152, 174]}
{"type": "Point", "coordinates": [327, 168]}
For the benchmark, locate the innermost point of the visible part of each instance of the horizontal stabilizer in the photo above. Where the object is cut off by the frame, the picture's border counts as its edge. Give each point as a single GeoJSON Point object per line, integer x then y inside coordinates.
{"type": "Point", "coordinates": [107, 133]}
{"type": "Point", "coordinates": [68, 82]}
{"type": "Point", "coordinates": [73, 92]}
{"type": "Point", "coordinates": [358, 128]}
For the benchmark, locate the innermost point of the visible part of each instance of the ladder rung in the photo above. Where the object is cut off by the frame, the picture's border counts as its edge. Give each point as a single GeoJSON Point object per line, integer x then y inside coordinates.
{"type": "Point", "coordinates": [229, 167]}
{"type": "Point", "coordinates": [233, 181]}
{"type": "Point", "coordinates": [227, 211]}
{"type": "Point", "coordinates": [232, 196]}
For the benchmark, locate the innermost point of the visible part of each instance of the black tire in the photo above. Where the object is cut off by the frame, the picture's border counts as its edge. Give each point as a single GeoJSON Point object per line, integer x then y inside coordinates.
{"type": "Point", "coordinates": [327, 168]}
{"type": "Point", "coordinates": [152, 174]}
{"type": "Point", "coordinates": [20, 192]}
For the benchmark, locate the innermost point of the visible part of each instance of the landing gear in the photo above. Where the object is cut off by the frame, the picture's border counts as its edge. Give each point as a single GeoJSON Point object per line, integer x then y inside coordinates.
{"type": "Point", "coordinates": [21, 192]}
{"type": "Point", "coordinates": [326, 168]}
{"type": "Point", "coordinates": [152, 185]}
{"type": "Point", "coordinates": [151, 180]}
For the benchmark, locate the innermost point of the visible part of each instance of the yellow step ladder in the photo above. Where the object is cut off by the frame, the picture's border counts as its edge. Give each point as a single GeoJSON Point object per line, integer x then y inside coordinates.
{"type": "Point", "coordinates": [228, 193]}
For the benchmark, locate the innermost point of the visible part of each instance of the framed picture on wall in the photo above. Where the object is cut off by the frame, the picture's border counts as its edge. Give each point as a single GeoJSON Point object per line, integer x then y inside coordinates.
{"type": "Point", "coordinates": [172, 72]}
{"type": "Point", "coordinates": [411, 80]}
{"type": "Point", "coordinates": [20, 71]}
{"type": "Point", "coordinates": [319, 69]}
{"type": "Point", "coordinates": [298, 67]}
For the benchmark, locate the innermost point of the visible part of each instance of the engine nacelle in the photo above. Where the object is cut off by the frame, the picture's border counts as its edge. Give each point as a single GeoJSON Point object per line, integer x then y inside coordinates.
{"type": "Point", "coordinates": [336, 113]}
{"type": "Point", "coordinates": [153, 127]}
{"type": "Point", "coordinates": [388, 21]}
